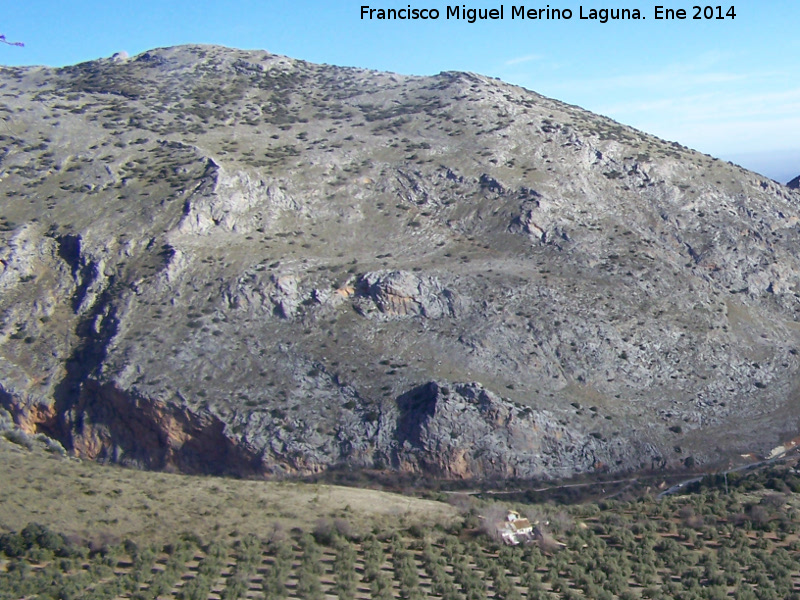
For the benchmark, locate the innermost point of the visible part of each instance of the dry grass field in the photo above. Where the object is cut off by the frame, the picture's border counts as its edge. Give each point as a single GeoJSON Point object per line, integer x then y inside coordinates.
{"type": "Point", "coordinates": [97, 502]}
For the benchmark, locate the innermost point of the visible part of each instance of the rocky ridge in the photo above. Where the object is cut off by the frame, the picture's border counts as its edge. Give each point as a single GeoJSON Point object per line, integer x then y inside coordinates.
{"type": "Point", "coordinates": [235, 262]}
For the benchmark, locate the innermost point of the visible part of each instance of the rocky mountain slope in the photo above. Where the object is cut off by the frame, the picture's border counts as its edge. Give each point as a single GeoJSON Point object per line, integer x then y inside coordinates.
{"type": "Point", "coordinates": [224, 261]}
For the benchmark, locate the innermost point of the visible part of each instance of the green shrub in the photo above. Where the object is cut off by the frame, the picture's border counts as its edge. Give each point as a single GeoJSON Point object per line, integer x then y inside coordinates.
{"type": "Point", "coordinates": [19, 437]}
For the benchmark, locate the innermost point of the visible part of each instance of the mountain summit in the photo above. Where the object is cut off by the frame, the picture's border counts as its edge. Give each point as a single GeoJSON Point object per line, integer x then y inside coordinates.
{"type": "Point", "coordinates": [235, 262]}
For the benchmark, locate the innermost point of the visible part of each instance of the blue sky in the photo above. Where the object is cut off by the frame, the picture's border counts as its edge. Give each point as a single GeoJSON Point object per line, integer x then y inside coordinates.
{"type": "Point", "coordinates": [730, 88]}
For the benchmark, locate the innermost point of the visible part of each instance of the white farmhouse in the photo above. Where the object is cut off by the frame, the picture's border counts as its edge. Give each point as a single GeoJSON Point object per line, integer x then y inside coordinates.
{"type": "Point", "coordinates": [516, 530]}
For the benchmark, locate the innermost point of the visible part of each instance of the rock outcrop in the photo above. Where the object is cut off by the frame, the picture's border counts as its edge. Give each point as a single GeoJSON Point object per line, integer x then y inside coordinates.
{"type": "Point", "coordinates": [397, 294]}
{"type": "Point", "coordinates": [465, 431]}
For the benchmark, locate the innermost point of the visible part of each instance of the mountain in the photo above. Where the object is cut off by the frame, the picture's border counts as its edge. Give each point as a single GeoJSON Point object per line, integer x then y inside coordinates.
{"type": "Point", "coordinates": [224, 261]}
{"type": "Point", "coordinates": [794, 183]}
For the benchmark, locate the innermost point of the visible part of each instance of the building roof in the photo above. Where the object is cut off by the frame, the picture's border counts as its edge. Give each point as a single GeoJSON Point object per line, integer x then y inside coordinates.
{"type": "Point", "coordinates": [521, 524]}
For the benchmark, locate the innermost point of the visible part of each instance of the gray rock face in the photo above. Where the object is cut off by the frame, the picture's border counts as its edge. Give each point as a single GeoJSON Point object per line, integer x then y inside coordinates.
{"type": "Point", "coordinates": [466, 431]}
{"type": "Point", "coordinates": [397, 294]}
{"type": "Point", "coordinates": [220, 260]}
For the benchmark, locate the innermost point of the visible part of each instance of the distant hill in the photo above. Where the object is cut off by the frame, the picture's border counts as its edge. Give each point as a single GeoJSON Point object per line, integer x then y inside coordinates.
{"type": "Point", "coordinates": [222, 261]}
{"type": "Point", "coordinates": [794, 183]}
